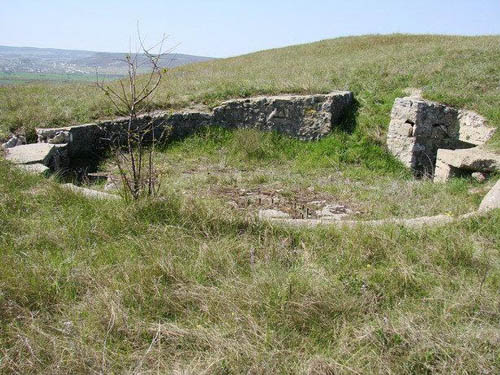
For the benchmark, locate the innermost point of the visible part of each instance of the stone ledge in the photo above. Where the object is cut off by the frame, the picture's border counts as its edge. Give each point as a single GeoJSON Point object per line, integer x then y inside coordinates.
{"type": "Point", "coordinates": [419, 127]}
{"type": "Point", "coordinates": [306, 117]}
{"type": "Point", "coordinates": [36, 153]}
{"type": "Point", "coordinates": [89, 193]}
{"type": "Point", "coordinates": [450, 162]}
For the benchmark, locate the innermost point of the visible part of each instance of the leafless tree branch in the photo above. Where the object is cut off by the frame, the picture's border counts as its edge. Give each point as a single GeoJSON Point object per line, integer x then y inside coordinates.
{"type": "Point", "coordinates": [135, 158]}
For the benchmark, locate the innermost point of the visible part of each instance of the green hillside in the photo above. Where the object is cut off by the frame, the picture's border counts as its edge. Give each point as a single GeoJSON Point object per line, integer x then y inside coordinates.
{"type": "Point", "coordinates": [460, 71]}
{"type": "Point", "coordinates": [191, 282]}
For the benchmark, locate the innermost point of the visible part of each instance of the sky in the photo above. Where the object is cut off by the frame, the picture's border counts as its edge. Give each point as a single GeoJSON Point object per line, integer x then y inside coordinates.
{"type": "Point", "coordinates": [222, 28]}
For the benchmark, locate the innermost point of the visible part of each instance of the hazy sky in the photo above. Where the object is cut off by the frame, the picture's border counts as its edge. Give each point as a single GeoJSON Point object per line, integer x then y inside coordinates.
{"type": "Point", "coordinates": [222, 28]}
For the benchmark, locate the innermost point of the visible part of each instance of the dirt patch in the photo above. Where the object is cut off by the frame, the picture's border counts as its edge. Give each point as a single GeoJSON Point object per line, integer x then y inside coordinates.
{"type": "Point", "coordinates": [297, 204]}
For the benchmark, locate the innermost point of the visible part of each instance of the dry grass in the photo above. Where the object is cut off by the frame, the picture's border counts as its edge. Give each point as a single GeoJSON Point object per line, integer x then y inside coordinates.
{"type": "Point", "coordinates": [186, 285]}
{"type": "Point", "coordinates": [183, 286]}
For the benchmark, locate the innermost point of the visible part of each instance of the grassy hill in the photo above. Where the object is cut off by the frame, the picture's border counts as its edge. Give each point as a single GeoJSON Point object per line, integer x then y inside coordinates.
{"type": "Point", "coordinates": [460, 71]}
{"type": "Point", "coordinates": [188, 284]}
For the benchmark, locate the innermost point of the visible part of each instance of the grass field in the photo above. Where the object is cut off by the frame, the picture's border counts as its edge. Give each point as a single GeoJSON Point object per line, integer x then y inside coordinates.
{"type": "Point", "coordinates": [242, 167]}
{"type": "Point", "coordinates": [182, 285]}
{"type": "Point", "coordinates": [192, 283]}
{"type": "Point", "coordinates": [29, 78]}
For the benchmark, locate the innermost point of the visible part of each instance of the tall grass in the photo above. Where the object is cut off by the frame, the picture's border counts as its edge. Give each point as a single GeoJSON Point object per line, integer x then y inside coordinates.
{"type": "Point", "coordinates": [182, 286]}
{"type": "Point", "coordinates": [186, 285]}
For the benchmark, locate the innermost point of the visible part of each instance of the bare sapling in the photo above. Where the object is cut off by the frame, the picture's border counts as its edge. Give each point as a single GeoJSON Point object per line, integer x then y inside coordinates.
{"type": "Point", "coordinates": [134, 146]}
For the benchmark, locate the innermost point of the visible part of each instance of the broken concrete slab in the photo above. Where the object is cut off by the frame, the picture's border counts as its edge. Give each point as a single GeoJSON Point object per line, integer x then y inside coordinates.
{"type": "Point", "coordinates": [474, 128]}
{"type": "Point", "coordinates": [474, 159]}
{"type": "Point", "coordinates": [94, 194]}
{"type": "Point", "coordinates": [36, 153]}
{"type": "Point", "coordinates": [35, 168]}
{"type": "Point", "coordinates": [492, 200]}
{"type": "Point", "coordinates": [420, 127]}
{"type": "Point", "coordinates": [52, 156]}
{"type": "Point", "coordinates": [307, 117]}
{"type": "Point", "coordinates": [443, 171]}
{"type": "Point", "coordinates": [450, 163]}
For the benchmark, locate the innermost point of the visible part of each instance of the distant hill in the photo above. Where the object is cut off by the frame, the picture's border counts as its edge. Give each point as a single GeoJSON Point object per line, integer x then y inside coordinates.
{"type": "Point", "coordinates": [58, 61]}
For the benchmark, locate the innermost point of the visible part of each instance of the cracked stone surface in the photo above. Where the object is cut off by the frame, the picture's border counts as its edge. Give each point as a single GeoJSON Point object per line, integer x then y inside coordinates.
{"type": "Point", "coordinates": [307, 117]}
{"type": "Point", "coordinates": [36, 153]}
{"type": "Point", "coordinates": [450, 162]}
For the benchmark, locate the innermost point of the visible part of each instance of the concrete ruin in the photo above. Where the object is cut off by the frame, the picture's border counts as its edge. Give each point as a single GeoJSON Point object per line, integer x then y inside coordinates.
{"type": "Point", "coordinates": [489, 203]}
{"type": "Point", "coordinates": [306, 117]}
{"type": "Point", "coordinates": [452, 163]}
{"type": "Point", "coordinates": [419, 128]}
{"type": "Point", "coordinates": [430, 138]}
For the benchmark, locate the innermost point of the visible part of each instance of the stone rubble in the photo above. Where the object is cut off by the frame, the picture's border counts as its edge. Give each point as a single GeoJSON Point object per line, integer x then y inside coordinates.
{"type": "Point", "coordinates": [334, 212]}
{"type": "Point", "coordinates": [492, 200]}
{"type": "Point", "coordinates": [479, 177]}
{"type": "Point", "coordinates": [419, 128]}
{"type": "Point", "coordinates": [14, 141]}
{"type": "Point", "coordinates": [452, 163]}
{"type": "Point", "coordinates": [60, 137]}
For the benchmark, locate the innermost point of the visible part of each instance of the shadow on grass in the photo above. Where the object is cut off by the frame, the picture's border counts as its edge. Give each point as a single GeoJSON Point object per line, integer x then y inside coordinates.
{"type": "Point", "coordinates": [349, 120]}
